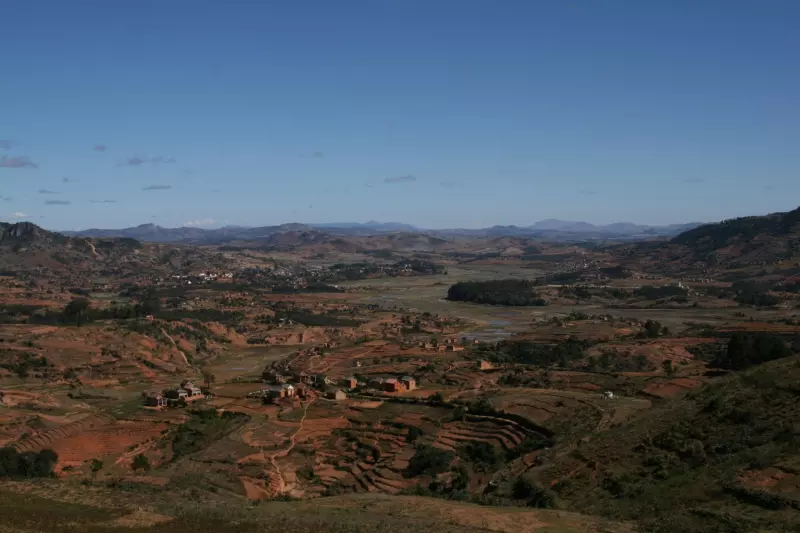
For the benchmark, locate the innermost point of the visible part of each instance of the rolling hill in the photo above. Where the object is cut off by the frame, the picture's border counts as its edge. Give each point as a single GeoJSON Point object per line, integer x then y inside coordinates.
{"type": "Point", "coordinates": [725, 454]}
{"type": "Point", "coordinates": [755, 241]}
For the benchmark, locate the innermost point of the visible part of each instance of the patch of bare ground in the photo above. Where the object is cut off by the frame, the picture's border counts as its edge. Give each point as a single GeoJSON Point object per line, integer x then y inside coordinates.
{"type": "Point", "coordinates": [140, 519]}
{"type": "Point", "coordinates": [468, 516]}
{"type": "Point", "coordinates": [672, 387]}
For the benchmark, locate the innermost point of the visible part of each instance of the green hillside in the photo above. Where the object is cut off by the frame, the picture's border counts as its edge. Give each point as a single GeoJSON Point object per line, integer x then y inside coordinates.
{"type": "Point", "coordinates": [725, 458]}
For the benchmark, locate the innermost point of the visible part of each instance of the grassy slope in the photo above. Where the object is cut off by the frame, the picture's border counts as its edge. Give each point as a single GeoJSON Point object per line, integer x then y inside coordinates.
{"type": "Point", "coordinates": [678, 466]}
{"type": "Point", "coordinates": [354, 513]}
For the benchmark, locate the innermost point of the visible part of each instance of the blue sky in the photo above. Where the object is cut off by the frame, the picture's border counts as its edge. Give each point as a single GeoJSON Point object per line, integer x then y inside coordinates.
{"type": "Point", "coordinates": [440, 113]}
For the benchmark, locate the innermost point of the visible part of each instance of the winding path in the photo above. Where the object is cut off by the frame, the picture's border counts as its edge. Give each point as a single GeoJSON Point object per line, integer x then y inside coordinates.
{"type": "Point", "coordinates": [292, 441]}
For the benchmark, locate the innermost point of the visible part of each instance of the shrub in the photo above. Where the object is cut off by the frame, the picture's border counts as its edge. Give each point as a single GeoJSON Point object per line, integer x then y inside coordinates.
{"type": "Point", "coordinates": [414, 433]}
{"type": "Point", "coordinates": [525, 488]}
{"type": "Point", "coordinates": [140, 462]}
{"type": "Point", "coordinates": [428, 461]}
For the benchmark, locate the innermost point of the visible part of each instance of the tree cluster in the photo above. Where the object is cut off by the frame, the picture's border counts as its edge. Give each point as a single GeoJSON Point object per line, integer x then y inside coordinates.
{"type": "Point", "coordinates": [534, 353]}
{"type": "Point", "coordinates": [652, 292]}
{"type": "Point", "coordinates": [516, 292]}
{"type": "Point", "coordinates": [22, 363]}
{"type": "Point", "coordinates": [14, 464]}
{"type": "Point", "coordinates": [750, 349]}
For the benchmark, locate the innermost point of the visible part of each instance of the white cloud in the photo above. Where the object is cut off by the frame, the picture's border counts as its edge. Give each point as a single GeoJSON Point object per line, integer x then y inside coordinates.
{"type": "Point", "coordinates": [18, 214]}
{"type": "Point", "coordinates": [200, 222]}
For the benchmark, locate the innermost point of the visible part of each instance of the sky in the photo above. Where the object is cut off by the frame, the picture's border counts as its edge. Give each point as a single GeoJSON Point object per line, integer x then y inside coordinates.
{"type": "Point", "coordinates": [438, 113]}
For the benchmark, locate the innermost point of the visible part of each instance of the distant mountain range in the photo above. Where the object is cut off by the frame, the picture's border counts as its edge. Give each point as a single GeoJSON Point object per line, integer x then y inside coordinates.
{"type": "Point", "coordinates": [552, 229]}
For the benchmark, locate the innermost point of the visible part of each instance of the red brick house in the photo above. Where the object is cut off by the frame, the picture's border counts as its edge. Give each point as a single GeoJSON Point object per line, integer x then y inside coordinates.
{"type": "Point", "coordinates": [392, 385]}
{"type": "Point", "coordinates": [408, 382]}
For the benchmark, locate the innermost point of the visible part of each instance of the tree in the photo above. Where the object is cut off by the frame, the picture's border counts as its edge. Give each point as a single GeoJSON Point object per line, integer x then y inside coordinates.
{"type": "Point", "coordinates": [209, 379]}
{"type": "Point", "coordinates": [76, 311]}
{"type": "Point", "coordinates": [97, 466]}
{"type": "Point", "coordinates": [150, 305]}
{"type": "Point", "coordinates": [436, 399]}
{"type": "Point", "coordinates": [483, 406]}
{"type": "Point", "coordinates": [652, 329]}
{"type": "Point", "coordinates": [414, 433]}
{"type": "Point", "coordinates": [140, 462]}
{"type": "Point", "coordinates": [668, 368]}
{"type": "Point", "coordinates": [641, 362]}
{"type": "Point", "coordinates": [605, 360]}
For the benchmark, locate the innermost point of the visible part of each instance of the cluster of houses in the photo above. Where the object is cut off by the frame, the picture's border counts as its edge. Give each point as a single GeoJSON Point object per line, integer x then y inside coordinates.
{"type": "Point", "coordinates": [281, 385]}
{"type": "Point", "coordinates": [185, 392]}
{"type": "Point", "coordinates": [303, 385]}
{"type": "Point", "coordinates": [449, 346]}
{"type": "Point", "coordinates": [201, 277]}
{"type": "Point", "coordinates": [402, 384]}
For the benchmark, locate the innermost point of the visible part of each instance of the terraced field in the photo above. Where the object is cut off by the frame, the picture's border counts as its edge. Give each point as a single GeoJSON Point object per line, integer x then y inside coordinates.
{"type": "Point", "coordinates": [46, 439]}
{"type": "Point", "coordinates": [370, 450]}
{"type": "Point", "coordinates": [505, 434]}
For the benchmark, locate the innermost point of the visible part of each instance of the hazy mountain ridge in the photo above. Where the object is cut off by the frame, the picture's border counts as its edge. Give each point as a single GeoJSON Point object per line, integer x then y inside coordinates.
{"type": "Point", "coordinates": [551, 228]}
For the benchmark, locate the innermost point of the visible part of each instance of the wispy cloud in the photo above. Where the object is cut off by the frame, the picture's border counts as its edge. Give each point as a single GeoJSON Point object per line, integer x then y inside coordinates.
{"type": "Point", "coordinates": [200, 222]}
{"type": "Point", "coordinates": [100, 148]}
{"type": "Point", "coordinates": [6, 198]}
{"type": "Point", "coordinates": [48, 191]}
{"type": "Point", "coordinates": [769, 188]}
{"type": "Point", "coordinates": [694, 180]}
{"type": "Point", "coordinates": [19, 214]}
{"type": "Point", "coordinates": [400, 179]}
{"type": "Point", "coordinates": [16, 162]}
{"type": "Point", "coordinates": [68, 180]}
{"type": "Point", "coordinates": [134, 161]}
{"type": "Point", "coordinates": [157, 187]}
{"type": "Point", "coordinates": [5, 144]}
{"type": "Point", "coordinates": [102, 201]}
{"type": "Point", "coordinates": [587, 192]}
{"type": "Point", "coordinates": [313, 155]}
{"type": "Point", "coordinates": [57, 202]}
{"type": "Point", "coordinates": [139, 160]}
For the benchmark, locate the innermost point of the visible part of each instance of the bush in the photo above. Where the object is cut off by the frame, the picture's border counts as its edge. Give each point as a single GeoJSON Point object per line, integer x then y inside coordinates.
{"type": "Point", "coordinates": [414, 433]}
{"type": "Point", "coordinates": [652, 329]}
{"type": "Point", "coordinates": [525, 488]}
{"type": "Point", "coordinates": [428, 461]}
{"type": "Point", "coordinates": [140, 462]}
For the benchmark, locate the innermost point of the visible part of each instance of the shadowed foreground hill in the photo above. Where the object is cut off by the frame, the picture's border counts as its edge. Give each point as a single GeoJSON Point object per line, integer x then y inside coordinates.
{"type": "Point", "coordinates": [364, 513]}
{"type": "Point", "coordinates": [724, 458]}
